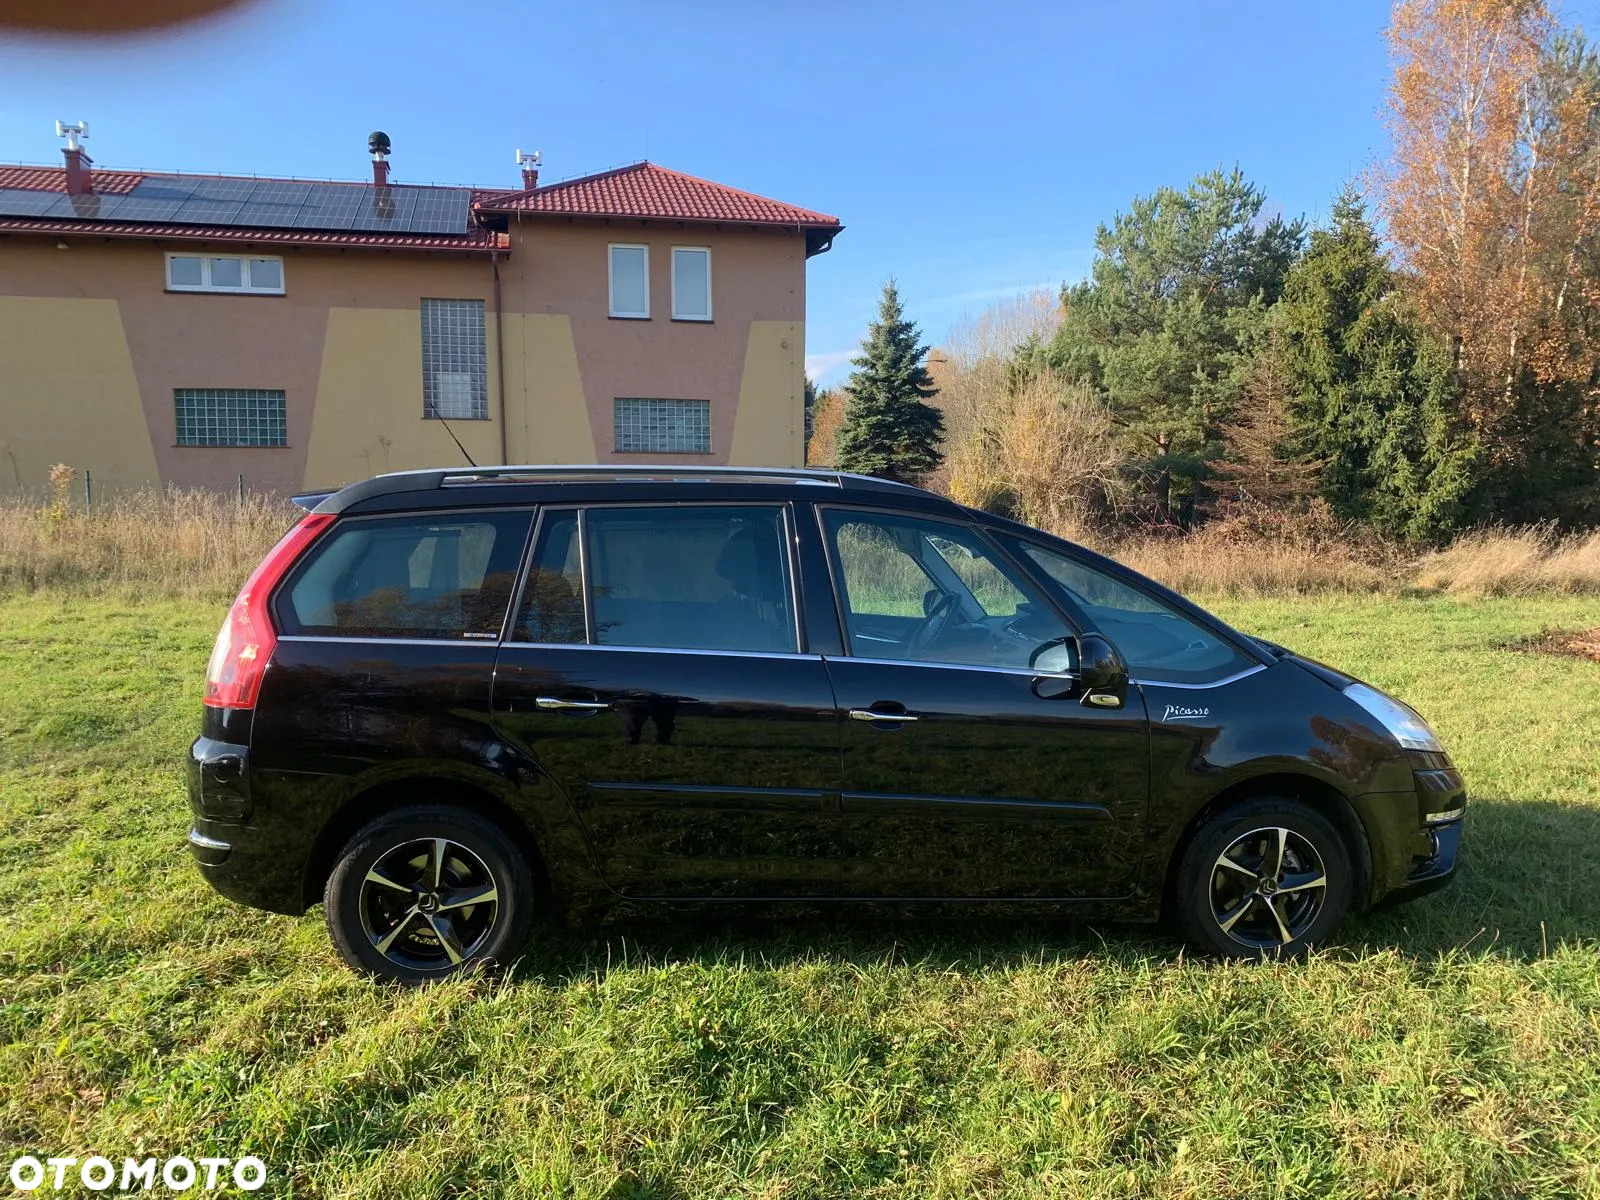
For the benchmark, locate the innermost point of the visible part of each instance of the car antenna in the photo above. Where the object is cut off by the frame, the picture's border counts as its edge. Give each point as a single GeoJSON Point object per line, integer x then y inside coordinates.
{"type": "Point", "coordinates": [457, 441]}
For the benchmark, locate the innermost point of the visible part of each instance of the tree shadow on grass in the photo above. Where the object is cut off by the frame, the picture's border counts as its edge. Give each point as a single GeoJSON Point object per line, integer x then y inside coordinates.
{"type": "Point", "coordinates": [1528, 879]}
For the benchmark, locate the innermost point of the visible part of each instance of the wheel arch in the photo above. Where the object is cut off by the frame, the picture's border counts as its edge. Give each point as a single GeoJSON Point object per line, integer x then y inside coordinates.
{"type": "Point", "coordinates": [1308, 789]}
{"type": "Point", "coordinates": [369, 803]}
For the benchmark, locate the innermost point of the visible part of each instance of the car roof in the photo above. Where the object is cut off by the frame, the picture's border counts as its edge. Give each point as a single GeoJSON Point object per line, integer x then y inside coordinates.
{"type": "Point", "coordinates": [458, 487]}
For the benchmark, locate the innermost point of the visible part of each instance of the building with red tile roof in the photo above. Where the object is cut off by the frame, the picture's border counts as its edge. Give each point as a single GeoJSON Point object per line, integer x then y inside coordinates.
{"type": "Point", "coordinates": [161, 327]}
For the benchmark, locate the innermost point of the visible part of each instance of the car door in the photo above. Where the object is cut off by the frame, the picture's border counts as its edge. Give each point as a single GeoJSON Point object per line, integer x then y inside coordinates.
{"type": "Point", "coordinates": [655, 672]}
{"type": "Point", "coordinates": [971, 766]}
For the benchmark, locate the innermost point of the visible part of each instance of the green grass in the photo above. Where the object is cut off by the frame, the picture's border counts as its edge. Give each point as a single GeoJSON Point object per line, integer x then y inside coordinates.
{"type": "Point", "coordinates": [1447, 1048]}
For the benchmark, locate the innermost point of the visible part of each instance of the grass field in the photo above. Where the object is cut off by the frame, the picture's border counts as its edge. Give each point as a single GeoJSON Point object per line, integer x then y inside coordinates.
{"type": "Point", "coordinates": [1446, 1049]}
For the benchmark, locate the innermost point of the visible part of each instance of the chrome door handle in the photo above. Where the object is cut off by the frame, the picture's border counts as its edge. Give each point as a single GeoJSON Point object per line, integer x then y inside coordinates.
{"type": "Point", "coordinates": [586, 705]}
{"type": "Point", "coordinates": [866, 714]}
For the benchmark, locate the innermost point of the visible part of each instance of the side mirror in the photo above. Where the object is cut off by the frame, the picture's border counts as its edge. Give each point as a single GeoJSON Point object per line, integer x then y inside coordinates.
{"type": "Point", "coordinates": [1056, 661]}
{"type": "Point", "coordinates": [1102, 673]}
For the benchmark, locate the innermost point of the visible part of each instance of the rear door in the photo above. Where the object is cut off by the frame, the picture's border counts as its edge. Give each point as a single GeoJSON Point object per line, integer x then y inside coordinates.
{"type": "Point", "coordinates": [388, 629]}
{"type": "Point", "coordinates": [970, 767]}
{"type": "Point", "coordinates": [656, 672]}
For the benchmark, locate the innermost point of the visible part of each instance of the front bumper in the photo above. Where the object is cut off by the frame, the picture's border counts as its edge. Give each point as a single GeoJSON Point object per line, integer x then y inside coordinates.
{"type": "Point", "coordinates": [1415, 836]}
{"type": "Point", "coordinates": [1437, 869]}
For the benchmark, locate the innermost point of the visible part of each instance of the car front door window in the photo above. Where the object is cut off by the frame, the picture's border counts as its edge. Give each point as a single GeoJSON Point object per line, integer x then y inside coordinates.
{"type": "Point", "coordinates": [932, 592]}
{"type": "Point", "coordinates": [1159, 644]}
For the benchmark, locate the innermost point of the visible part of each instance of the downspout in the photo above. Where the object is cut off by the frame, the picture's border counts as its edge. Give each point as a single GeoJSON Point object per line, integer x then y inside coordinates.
{"type": "Point", "coordinates": [500, 357]}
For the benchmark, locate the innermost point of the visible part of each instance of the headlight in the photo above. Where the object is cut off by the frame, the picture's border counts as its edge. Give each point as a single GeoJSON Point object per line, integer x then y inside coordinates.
{"type": "Point", "coordinates": [1402, 722]}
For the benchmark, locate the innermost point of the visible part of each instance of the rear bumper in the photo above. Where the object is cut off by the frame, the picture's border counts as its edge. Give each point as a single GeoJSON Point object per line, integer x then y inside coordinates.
{"type": "Point", "coordinates": [243, 866]}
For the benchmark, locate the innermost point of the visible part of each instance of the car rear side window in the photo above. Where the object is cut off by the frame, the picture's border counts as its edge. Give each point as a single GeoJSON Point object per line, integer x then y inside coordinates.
{"type": "Point", "coordinates": [425, 576]}
{"type": "Point", "coordinates": [1159, 644]}
{"type": "Point", "coordinates": [690, 577]}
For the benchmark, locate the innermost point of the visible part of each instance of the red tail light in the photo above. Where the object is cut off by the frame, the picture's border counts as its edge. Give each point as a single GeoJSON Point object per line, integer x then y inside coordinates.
{"type": "Point", "coordinates": [239, 659]}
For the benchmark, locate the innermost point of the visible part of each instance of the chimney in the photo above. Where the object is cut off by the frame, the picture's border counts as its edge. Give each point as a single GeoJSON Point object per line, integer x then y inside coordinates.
{"type": "Point", "coordinates": [79, 182]}
{"type": "Point", "coordinates": [378, 143]}
{"type": "Point", "coordinates": [530, 169]}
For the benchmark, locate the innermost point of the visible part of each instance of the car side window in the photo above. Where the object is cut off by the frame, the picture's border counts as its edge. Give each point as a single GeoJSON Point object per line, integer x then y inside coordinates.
{"type": "Point", "coordinates": [1158, 643]}
{"type": "Point", "coordinates": [552, 595]}
{"type": "Point", "coordinates": [933, 592]}
{"type": "Point", "coordinates": [688, 577]}
{"type": "Point", "coordinates": [423, 576]}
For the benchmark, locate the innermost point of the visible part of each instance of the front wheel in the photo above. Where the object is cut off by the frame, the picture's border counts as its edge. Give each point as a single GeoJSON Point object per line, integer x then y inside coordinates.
{"type": "Point", "coordinates": [425, 891]}
{"type": "Point", "coordinates": [1265, 877]}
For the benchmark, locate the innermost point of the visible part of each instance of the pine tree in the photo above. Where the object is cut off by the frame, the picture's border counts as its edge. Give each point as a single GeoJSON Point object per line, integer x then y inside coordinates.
{"type": "Point", "coordinates": [1180, 285]}
{"type": "Point", "coordinates": [1374, 395]}
{"type": "Point", "coordinates": [1266, 465]}
{"type": "Point", "coordinates": [889, 428]}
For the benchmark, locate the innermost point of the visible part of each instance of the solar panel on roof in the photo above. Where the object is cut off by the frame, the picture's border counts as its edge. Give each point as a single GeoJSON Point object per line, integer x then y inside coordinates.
{"type": "Point", "coordinates": [93, 207]}
{"type": "Point", "coordinates": [25, 202]}
{"type": "Point", "coordinates": [164, 187]}
{"type": "Point", "coordinates": [208, 212]}
{"type": "Point", "coordinates": [140, 208]}
{"type": "Point", "coordinates": [441, 211]}
{"type": "Point", "coordinates": [260, 204]}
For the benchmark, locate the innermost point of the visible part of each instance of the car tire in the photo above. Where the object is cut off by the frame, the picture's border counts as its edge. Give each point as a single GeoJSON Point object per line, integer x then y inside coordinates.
{"type": "Point", "coordinates": [425, 891]}
{"type": "Point", "coordinates": [1230, 902]}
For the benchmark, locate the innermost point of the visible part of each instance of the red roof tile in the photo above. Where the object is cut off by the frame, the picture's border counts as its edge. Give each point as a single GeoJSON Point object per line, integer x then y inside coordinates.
{"type": "Point", "coordinates": [54, 179]}
{"type": "Point", "coordinates": [479, 241]}
{"type": "Point", "coordinates": [647, 191]}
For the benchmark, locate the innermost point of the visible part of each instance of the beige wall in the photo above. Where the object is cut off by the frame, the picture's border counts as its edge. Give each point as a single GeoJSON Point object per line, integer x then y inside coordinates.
{"type": "Point", "coordinates": [92, 347]}
{"type": "Point", "coordinates": [68, 393]}
{"type": "Point", "coordinates": [740, 361]}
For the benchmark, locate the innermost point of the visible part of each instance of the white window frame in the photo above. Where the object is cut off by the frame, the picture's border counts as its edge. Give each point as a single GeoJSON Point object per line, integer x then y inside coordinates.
{"type": "Point", "coordinates": [679, 316]}
{"type": "Point", "coordinates": [205, 284]}
{"type": "Point", "coordinates": [611, 281]}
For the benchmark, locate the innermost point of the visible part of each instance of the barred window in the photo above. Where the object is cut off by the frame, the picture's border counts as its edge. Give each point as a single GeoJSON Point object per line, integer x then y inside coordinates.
{"type": "Point", "coordinates": [455, 364]}
{"type": "Point", "coordinates": [230, 417]}
{"type": "Point", "coordinates": [662, 426]}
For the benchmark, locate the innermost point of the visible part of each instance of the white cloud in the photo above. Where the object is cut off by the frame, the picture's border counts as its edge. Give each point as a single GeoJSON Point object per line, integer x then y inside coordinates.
{"type": "Point", "coordinates": [830, 366]}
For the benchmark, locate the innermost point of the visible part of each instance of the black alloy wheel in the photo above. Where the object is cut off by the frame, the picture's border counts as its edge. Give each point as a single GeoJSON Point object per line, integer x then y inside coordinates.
{"type": "Point", "coordinates": [426, 891]}
{"type": "Point", "coordinates": [1269, 877]}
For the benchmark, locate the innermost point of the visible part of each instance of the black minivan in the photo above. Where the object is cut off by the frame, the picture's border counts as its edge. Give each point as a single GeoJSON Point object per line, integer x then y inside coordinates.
{"type": "Point", "coordinates": [448, 703]}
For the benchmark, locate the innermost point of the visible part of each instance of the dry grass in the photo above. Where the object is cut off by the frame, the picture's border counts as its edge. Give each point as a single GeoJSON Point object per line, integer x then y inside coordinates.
{"type": "Point", "coordinates": [1513, 562]}
{"type": "Point", "coordinates": [1259, 552]}
{"type": "Point", "coordinates": [180, 543]}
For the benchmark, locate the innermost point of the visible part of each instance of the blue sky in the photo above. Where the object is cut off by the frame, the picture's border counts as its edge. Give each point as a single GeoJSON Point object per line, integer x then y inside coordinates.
{"type": "Point", "coordinates": [970, 148]}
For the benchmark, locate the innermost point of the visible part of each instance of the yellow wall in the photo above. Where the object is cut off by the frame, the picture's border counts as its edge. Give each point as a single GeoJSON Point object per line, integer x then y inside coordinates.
{"type": "Point", "coordinates": [769, 426]}
{"type": "Point", "coordinates": [368, 418]}
{"type": "Point", "coordinates": [547, 417]}
{"type": "Point", "coordinates": [68, 393]}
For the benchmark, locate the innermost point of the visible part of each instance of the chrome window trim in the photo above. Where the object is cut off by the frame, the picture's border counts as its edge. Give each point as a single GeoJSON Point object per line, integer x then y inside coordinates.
{"type": "Point", "coordinates": [378, 640]}
{"type": "Point", "coordinates": [1029, 672]}
{"type": "Point", "coordinates": [1192, 687]}
{"type": "Point", "coordinates": [783, 654]}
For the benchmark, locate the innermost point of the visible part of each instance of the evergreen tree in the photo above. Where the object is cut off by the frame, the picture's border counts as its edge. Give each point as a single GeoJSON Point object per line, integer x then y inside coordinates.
{"type": "Point", "coordinates": [1375, 397]}
{"type": "Point", "coordinates": [1180, 286]}
{"type": "Point", "coordinates": [1266, 465]}
{"type": "Point", "coordinates": [889, 428]}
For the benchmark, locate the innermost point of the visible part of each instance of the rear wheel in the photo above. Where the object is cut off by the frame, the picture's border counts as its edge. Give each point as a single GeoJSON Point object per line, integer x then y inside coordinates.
{"type": "Point", "coordinates": [425, 891]}
{"type": "Point", "coordinates": [1269, 876]}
